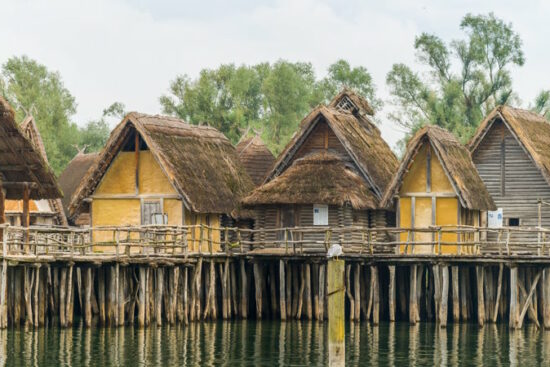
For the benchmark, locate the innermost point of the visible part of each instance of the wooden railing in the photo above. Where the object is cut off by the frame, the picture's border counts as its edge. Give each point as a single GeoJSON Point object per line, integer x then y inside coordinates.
{"type": "Point", "coordinates": [201, 239]}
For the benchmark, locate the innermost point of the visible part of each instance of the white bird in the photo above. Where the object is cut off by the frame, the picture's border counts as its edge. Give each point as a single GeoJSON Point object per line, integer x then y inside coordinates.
{"type": "Point", "coordinates": [335, 251]}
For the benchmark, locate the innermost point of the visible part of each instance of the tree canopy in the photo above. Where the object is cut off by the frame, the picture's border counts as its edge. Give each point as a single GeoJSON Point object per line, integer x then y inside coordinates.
{"type": "Point", "coordinates": [466, 77]}
{"type": "Point", "coordinates": [268, 98]}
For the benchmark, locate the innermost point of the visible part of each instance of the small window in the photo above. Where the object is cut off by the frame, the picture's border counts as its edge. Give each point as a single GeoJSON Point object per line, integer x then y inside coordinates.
{"type": "Point", "coordinates": [513, 222]}
{"type": "Point", "coordinates": [320, 215]}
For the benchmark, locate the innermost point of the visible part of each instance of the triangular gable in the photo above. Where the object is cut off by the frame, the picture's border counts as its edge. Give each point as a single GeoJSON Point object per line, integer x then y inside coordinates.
{"type": "Point", "coordinates": [361, 140]}
{"type": "Point", "coordinates": [531, 131]}
{"type": "Point", "coordinates": [456, 163]}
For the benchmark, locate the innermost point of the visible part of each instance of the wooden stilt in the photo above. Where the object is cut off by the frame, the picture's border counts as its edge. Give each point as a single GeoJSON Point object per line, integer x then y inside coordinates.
{"type": "Point", "coordinates": [244, 290]}
{"type": "Point", "coordinates": [87, 297]}
{"type": "Point", "coordinates": [62, 288]}
{"type": "Point", "coordinates": [315, 289]}
{"type": "Point", "coordinates": [18, 291]}
{"type": "Point", "coordinates": [456, 294]}
{"type": "Point", "coordinates": [35, 295]}
{"type": "Point", "coordinates": [499, 291]}
{"type": "Point", "coordinates": [288, 290]}
{"type": "Point", "coordinates": [437, 290]}
{"type": "Point", "coordinates": [142, 295]}
{"type": "Point", "coordinates": [413, 304]}
{"type": "Point", "coordinates": [224, 277]}
{"type": "Point", "coordinates": [159, 289]}
{"type": "Point", "coordinates": [322, 293]}
{"type": "Point", "coordinates": [349, 294]}
{"type": "Point", "coordinates": [514, 297]}
{"type": "Point", "coordinates": [258, 288]}
{"type": "Point", "coordinates": [101, 295]}
{"type": "Point", "coordinates": [357, 291]}
{"type": "Point", "coordinates": [282, 290]}
{"type": "Point", "coordinates": [336, 312]}
{"type": "Point", "coordinates": [480, 296]}
{"type": "Point", "coordinates": [546, 297]}
{"type": "Point", "coordinates": [70, 297]}
{"type": "Point", "coordinates": [391, 293]}
{"type": "Point", "coordinates": [376, 295]}
{"type": "Point", "coordinates": [464, 293]}
{"type": "Point", "coordinates": [185, 296]}
{"type": "Point", "coordinates": [197, 285]}
{"type": "Point", "coordinates": [307, 291]}
{"type": "Point", "coordinates": [443, 306]}
{"type": "Point", "coordinates": [302, 276]}
{"type": "Point", "coordinates": [121, 297]}
{"type": "Point", "coordinates": [273, 289]}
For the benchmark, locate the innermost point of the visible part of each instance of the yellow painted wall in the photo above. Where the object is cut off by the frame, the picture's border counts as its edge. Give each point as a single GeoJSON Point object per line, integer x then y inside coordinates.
{"type": "Point", "coordinates": [152, 179]}
{"type": "Point", "coordinates": [120, 178]}
{"type": "Point", "coordinates": [446, 215]}
{"type": "Point", "coordinates": [173, 208]}
{"type": "Point", "coordinates": [113, 212]}
{"type": "Point", "coordinates": [415, 180]}
{"type": "Point", "coordinates": [423, 219]}
{"type": "Point", "coordinates": [404, 218]}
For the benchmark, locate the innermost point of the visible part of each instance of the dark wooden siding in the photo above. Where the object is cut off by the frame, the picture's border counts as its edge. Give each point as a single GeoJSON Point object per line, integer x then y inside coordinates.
{"type": "Point", "coordinates": [523, 183]}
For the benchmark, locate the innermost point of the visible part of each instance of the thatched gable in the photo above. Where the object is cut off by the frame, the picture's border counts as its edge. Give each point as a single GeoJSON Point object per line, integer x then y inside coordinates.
{"type": "Point", "coordinates": [199, 161]}
{"type": "Point", "coordinates": [530, 129]}
{"type": "Point", "coordinates": [320, 178]}
{"type": "Point", "coordinates": [30, 129]}
{"type": "Point", "coordinates": [21, 163]}
{"type": "Point", "coordinates": [456, 162]}
{"type": "Point", "coordinates": [359, 136]}
{"type": "Point", "coordinates": [348, 99]}
{"type": "Point", "coordinates": [255, 157]}
{"type": "Point", "coordinates": [72, 175]}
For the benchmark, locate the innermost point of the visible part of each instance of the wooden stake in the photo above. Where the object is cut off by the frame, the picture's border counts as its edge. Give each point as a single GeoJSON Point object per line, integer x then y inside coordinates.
{"type": "Point", "coordinates": [158, 295]}
{"type": "Point", "coordinates": [282, 290]}
{"type": "Point", "coordinates": [62, 287]}
{"type": "Point", "coordinates": [528, 300]}
{"type": "Point", "coordinates": [87, 297]}
{"type": "Point", "coordinates": [391, 293]}
{"type": "Point", "coordinates": [258, 288]}
{"type": "Point", "coordinates": [244, 290]}
{"type": "Point", "coordinates": [443, 307]}
{"type": "Point", "coordinates": [514, 313]}
{"type": "Point", "coordinates": [456, 294]}
{"type": "Point", "coordinates": [413, 304]}
{"type": "Point", "coordinates": [185, 297]}
{"type": "Point", "coordinates": [142, 296]}
{"type": "Point", "coordinates": [101, 295]}
{"type": "Point", "coordinates": [376, 295]}
{"type": "Point", "coordinates": [499, 291]}
{"type": "Point", "coordinates": [70, 297]}
{"type": "Point", "coordinates": [336, 312]}
{"type": "Point", "coordinates": [357, 289]}
{"type": "Point", "coordinates": [480, 296]}
{"type": "Point", "coordinates": [307, 291]}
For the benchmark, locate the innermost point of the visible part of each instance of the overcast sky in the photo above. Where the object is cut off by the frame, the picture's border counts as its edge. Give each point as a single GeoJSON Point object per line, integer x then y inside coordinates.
{"type": "Point", "coordinates": [128, 51]}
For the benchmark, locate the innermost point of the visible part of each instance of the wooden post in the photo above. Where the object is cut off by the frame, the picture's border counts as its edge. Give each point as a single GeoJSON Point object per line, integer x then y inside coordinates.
{"type": "Point", "coordinates": [87, 297]}
{"type": "Point", "coordinates": [273, 288]}
{"type": "Point", "coordinates": [25, 217]}
{"type": "Point", "coordinates": [121, 297]}
{"type": "Point", "coordinates": [391, 293]}
{"type": "Point", "coordinates": [35, 295]}
{"type": "Point", "coordinates": [336, 312]}
{"type": "Point", "coordinates": [357, 291]}
{"type": "Point", "coordinates": [528, 300]}
{"type": "Point", "coordinates": [62, 288]}
{"type": "Point", "coordinates": [307, 291]}
{"type": "Point", "coordinates": [322, 287]}
{"type": "Point", "coordinates": [499, 291]}
{"type": "Point", "coordinates": [376, 295]}
{"type": "Point", "coordinates": [437, 289]}
{"type": "Point", "coordinates": [413, 304]}
{"type": "Point", "coordinates": [480, 296]}
{"type": "Point", "coordinates": [282, 290]}
{"type": "Point", "coordinates": [349, 293]}
{"type": "Point", "coordinates": [244, 290]}
{"type": "Point", "coordinates": [70, 297]}
{"type": "Point", "coordinates": [443, 306]}
{"type": "Point", "coordinates": [101, 295]}
{"type": "Point", "coordinates": [158, 295]}
{"type": "Point", "coordinates": [456, 294]}
{"type": "Point", "coordinates": [185, 296]}
{"type": "Point", "coordinates": [514, 297]}
{"type": "Point", "coordinates": [258, 287]}
{"type": "Point", "coordinates": [142, 299]}
{"type": "Point", "coordinates": [546, 297]}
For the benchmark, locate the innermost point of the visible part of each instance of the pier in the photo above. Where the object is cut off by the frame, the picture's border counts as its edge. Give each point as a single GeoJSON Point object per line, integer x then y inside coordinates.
{"type": "Point", "coordinates": [150, 275]}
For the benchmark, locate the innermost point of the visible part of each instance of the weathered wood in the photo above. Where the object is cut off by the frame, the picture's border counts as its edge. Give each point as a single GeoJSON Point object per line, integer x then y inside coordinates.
{"type": "Point", "coordinates": [307, 291]}
{"type": "Point", "coordinates": [357, 291]}
{"type": "Point", "coordinates": [413, 304]}
{"type": "Point", "coordinates": [437, 289]}
{"type": "Point", "coordinates": [273, 289]}
{"type": "Point", "coordinates": [197, 285]}
{"type": "Point", "coordinates": [322, 293]}
{"type": "Point", "coordinates": [288, 290]}
{"type": "Point", "coordinates": [62, 305]}
{"type": "Point", "coordinates": [87, 296]}
{"type": "Point", "coordinates": [258, 288]}
{"type": "Point", "coordinates": [70, 297]}
{"type": "Point", "coordinates": [101, 295]}
{"type": "Point", "coordinates": [528, 300]}
{"type": "Point", "coordinates": [121, 297]}
{"type": "Point", "coordinates": [185, 296]}
{"type": "Point", "coordinates": [514, 297]}
{"type": "Point", "coordinates": [302, 275]}
{"type": "Point", "coordinates": [142, 296]}
{"type": "Point", "coordinates": [336, 312]}
{"type": "Point", "coordinates": [17, 292]}
{"type": "Point", "coordinates": [464, 294]}
{"type": "Point", "coordinates": [376, 295]}
{"type": "Point", "coordinates": [499, 291]}
{"type": "Point", "coordinates": [315, 289]}
{"type": "Point", "coordinates": [35, 295]}
{"type": "Point", "coordinates": [456, 293]}
{"type": "Point", "coordinates": [391, 293]}
{"type": "Point", "coordinates": [282, 290]}
{"type": "Point", "coordinates": [443, 306]}
{"type": "Point", "coordinates": [244, 290]}
{"type": "Point", "coordinates": [480, 295]}
{"type": "Point", "coordinates": [159, 290]}
{"type": "Point", "coordinates": [349, 294]}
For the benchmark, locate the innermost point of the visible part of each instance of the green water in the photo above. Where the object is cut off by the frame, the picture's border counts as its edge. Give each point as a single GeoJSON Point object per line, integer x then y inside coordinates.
{"type": "Point", "coordinates": [269, 343]}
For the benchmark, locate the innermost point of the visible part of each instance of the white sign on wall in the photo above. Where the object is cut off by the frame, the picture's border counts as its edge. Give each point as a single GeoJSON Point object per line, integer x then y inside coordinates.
{"type": "Point", "coordinates": [320, 215]}
{"type": "Point", "coordinates": [494, 218]}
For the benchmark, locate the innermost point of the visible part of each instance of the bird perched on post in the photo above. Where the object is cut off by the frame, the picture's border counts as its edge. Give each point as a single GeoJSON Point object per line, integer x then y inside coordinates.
{"type": "Point", "coordinates": [335, 251]}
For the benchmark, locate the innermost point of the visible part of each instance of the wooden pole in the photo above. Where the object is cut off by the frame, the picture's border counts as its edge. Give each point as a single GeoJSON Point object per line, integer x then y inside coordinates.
{"type": "Point", "coordinates": [480, 296]}
{"type": "Point", "coordinates": [258, 288]}
{"type": "Point", "coordinates": [282, 290]}
{"type": "Point", "coordinates": [244, 290]}
{"type": "Point", "coordinates": [121, 297]}
{"type": "Point", "coordinates": [87, 297]}
{"type": "Point", "coordinates": [456, 294]}
{"type": "Point", "coordinates": [70, 297]}
{"type": "Point", "coordinates": [357, 290]}
{"type": "Point", "coordinates": [499, 291]}
{"type": "Point", "coordinates": [336, 312]}
{"type": "Point", "coordinates": [142, 292]}
{"type": "Point", "coordinates": [528, 300]}
{"type": "Point", "coordinates": [322, 293]}
{"type": "Point", "coordinates": [307, 291]}
{"type": "Point", "coordinates": [546, 297]}
{"type": "Point", "coordinates": [376, 295]}
{"type": "Point", "coordinates": [62, 288]}
{"type": "Point", "coordinates": [443, 306]}
{"type": "Point", "coordinates": [514, 313]}
{"type": "Point", "coordinates": [101, 295]}
{"type": "Point", "coordinates": [158, 295]}
{"type": "Point", "coordinates": [391, 293]}
{"type": "Point", "coordinates": [413, 304]}
{"type": "Point", "coordinates": [185, 296]}
{"type": "Point", "coordinates": [349, 294]}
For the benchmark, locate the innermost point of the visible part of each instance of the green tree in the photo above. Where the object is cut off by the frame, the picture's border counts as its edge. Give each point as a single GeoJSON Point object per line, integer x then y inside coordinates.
{"type": "Point", "coordinates": [31, 88]}
{"type": "Point", "coordinates": [95, 133]}
{"type": "Point", "coordinates": [466, 79]}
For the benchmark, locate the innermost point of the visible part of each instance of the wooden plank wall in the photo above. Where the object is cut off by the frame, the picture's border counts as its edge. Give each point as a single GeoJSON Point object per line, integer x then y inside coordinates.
{"type": "Point", "coordinates": [523, 182]}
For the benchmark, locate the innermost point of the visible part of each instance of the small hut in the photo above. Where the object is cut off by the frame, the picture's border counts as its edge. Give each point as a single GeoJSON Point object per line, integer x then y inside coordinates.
{"type": "Point", "coordinates": [70, 179]}
{"type": "Point", "coordinates": [161, 170]}
{"type": "Point", "coordinates": [24, 174]}
{"type": "Point", "coordinates": [332, 173]}
{"type": "Point", "coordinates": [511, 152]}
{"type": "Point", "coordinates": [437, 184]}
{"type": "Point", "coordinates": [256, 158]}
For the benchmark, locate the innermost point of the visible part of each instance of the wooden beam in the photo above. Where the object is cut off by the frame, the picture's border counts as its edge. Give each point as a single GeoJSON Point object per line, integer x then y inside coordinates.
{"type": "Point", "coordinates": [528, 300]}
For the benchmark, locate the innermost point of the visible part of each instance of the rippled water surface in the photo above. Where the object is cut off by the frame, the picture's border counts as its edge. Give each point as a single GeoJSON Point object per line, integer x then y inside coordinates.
{"type": "Point", "coordinates": [266, 343]}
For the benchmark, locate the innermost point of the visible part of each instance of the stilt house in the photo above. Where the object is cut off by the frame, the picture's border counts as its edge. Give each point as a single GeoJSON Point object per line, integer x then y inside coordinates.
{"type": "Point", "coordinates": [70, 179]}
{"type": "Point", "coordinates": [511, 150]}
{"type": "Point", "coordinates": [256, 158]}
{"type": "Point", "coordinates": [436, 184]}
{"type": "Point", "coordinates": [24, 174]}
{"type": "Point", "coordinates": [332, 173]}
{"type": "Point", "coordinates": [161, 170]}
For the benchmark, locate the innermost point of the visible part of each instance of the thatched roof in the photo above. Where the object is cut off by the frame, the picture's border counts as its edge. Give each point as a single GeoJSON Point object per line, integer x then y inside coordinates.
{"type": "Point", "coordinates": [318, 178]}
{"type": "Point", "coordinates": [359, 136]}
{"type": "Point", "coordinates": [255, 157]}
{"type": "Point", "coordinates": [30, 129]}
{"type": "Point", "coordinates": [21, 163]}
{"type": "Point", "coordinates": [531, 130]}
{"type": "Point", "coordinates": [199, 161]}
{"type": "Point", "coordinates": [359, 104]}
{"type": "Point", "coordinates": [72, 175]}
{"type": "Point", "coordinates": [456, 162]}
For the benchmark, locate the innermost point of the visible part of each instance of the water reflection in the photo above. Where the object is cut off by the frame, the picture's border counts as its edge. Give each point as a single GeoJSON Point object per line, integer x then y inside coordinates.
{"type": "Point", "coordinates": [272, 343]}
